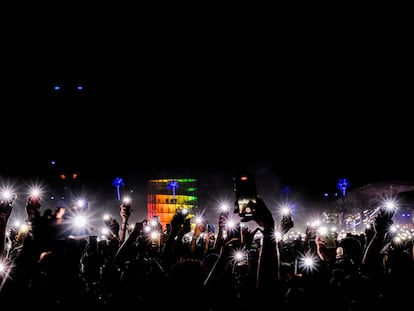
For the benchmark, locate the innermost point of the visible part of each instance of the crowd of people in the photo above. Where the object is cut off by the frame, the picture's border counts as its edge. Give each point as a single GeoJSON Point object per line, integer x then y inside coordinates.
{"type": "Point", "coordinates": [187, 266]}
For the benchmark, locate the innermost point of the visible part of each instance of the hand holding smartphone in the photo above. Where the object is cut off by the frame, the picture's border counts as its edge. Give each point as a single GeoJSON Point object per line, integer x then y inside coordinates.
{"type": "Point", "coordinates": [246, 194]}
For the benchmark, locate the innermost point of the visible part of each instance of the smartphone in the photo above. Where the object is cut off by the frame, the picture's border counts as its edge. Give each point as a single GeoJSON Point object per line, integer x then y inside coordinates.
{"type": "Point", "coordinates": [211, 228]}
{"type": "Point", "coordinates": [245, 190]}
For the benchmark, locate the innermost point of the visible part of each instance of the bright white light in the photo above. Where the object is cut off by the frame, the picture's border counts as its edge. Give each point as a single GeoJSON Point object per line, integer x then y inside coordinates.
{"type": "Point", "coordinates": [224, 208]}
{"type": "Point", "coordinates": [35, 192]}
{"type": "Point", "coordinates": [231, 224]}
{"type": "Point", "coordinates": [239, 256]}
{"type": "Point", "coordinates": [24, 228]}
{"type": "Point", "coordinates": [198, 220]}
{"type": "Point", "coordinates": [106, 217]}
{"type": "Point", "coordinates": [155, 234]}
{"type": "Point", "coordinates": [81, 203]}
{"type": "Point", "coordinates": [323, 230]}
{"type": "Point", "coordinates": [6, 194]}
{"type": "Point", "coordinates": [308, 262]}
{"type": "Point", "coordinates": [285, 210]}
{"type": "Point", "coordinates": [80, 221]}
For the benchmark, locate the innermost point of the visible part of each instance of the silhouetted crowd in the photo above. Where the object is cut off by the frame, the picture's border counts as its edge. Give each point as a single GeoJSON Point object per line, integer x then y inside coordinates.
{"type": "Point", "coordinates": [193, 265]}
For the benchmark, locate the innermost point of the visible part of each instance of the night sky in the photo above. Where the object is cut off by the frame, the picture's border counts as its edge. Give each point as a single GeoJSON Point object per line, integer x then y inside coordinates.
{"type": "Point", "coordinates": [308, 102]}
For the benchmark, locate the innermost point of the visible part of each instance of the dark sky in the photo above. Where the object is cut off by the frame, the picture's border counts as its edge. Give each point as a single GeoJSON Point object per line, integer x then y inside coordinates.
{"type": "Point", "coordinates": [310, 101]}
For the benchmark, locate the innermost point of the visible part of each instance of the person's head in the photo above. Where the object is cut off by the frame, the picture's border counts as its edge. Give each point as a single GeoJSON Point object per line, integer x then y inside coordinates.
{"type": "Point", "coordinates": [352, 248]}
{"type": "Point", "coordinates": [188, 273]}
{"type": "Point", "coordinates": [398, 263]}
{"type": "Point", "coordinates": [48, 213]}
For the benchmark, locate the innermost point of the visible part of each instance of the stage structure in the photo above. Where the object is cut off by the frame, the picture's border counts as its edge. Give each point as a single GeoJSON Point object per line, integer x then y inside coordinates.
{"type": "Point", "coordinates": [166, 196]}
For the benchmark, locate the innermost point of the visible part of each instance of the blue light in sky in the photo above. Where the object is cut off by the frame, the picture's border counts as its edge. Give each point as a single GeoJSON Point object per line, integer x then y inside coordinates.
{"type": "Point", "coordinates": [342, 185]}
{"type": "Point", "coordinates": [79, 87]}
{"type": "Point", "coordinates": [118, 182]}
